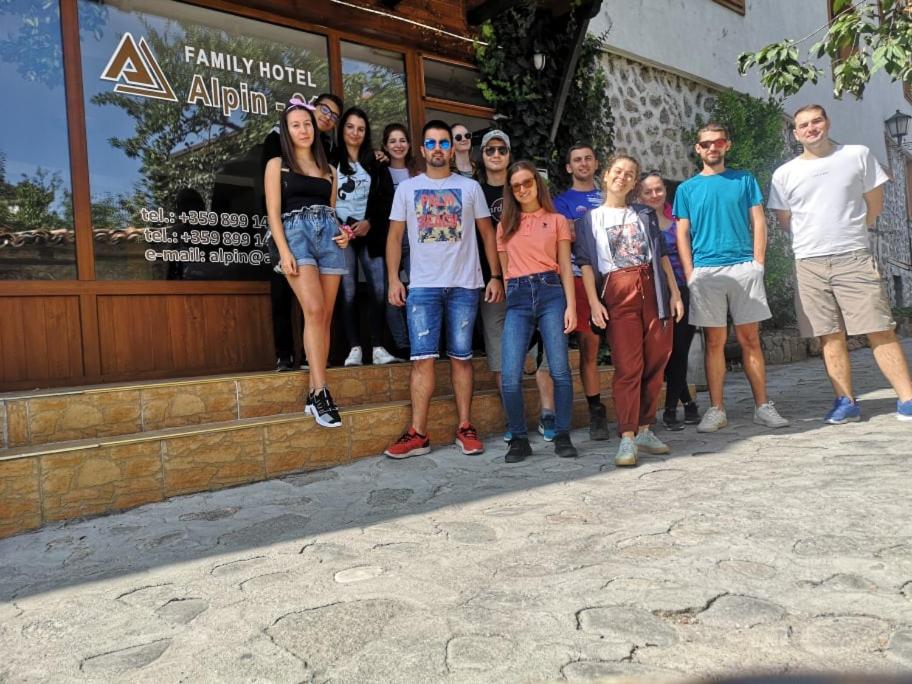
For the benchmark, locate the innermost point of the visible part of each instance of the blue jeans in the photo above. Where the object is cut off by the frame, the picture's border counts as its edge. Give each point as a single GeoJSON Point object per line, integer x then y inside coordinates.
{"type": "Point", "coordinates": [375, 274]}
{"type": "Point", "coordinates": [309, 233]}
{"type": "Point", "coordinates": [535, 301]}
{"type": "Point", "coordinates": [427, 307]}
{"type": "Point", "coordinates": [395, 315]}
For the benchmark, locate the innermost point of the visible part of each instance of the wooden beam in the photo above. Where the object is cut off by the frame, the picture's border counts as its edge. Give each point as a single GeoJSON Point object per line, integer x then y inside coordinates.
{"type": "Point", "coordinates": [585, 12]}
{"type": "Point", "coordinates": [488, 10]}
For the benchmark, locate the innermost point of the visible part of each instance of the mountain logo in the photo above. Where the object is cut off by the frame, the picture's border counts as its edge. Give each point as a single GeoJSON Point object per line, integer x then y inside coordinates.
{"type": "Point", "coordinates": [135, 70]}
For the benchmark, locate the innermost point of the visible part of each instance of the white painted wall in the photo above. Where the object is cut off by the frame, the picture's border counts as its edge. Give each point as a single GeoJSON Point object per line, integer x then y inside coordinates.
{"type": "Point", "coordinates": [701, 39]}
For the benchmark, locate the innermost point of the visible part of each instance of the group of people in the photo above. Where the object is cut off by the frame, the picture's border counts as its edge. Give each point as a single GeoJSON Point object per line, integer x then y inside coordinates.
{"type": "Point", "coordinates": [459, 241]}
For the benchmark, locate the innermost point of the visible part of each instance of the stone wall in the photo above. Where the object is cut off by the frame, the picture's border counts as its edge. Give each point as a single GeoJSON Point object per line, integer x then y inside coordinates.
{"type": "Point", "coordinates": [890, 242]}
{"type": "Point", "coordinates": [652, 111]}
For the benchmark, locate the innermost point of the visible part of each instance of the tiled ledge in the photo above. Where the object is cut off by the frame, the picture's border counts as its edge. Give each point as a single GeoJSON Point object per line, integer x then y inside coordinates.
{"type": "Point", "coordinates": [89, 477]}
{"type": "Point", "coordinates": [47, 417]}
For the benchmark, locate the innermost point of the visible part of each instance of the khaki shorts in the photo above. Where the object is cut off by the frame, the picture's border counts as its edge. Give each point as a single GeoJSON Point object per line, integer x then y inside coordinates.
{"type": "Point", "coordinates": [714, 290]}
{"type": "Point", "coordinates": [841, 292]}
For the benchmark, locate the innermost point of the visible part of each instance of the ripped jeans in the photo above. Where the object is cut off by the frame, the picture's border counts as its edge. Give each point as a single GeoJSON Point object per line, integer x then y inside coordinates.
{"type": "Point", "coordinates": [426, 308]}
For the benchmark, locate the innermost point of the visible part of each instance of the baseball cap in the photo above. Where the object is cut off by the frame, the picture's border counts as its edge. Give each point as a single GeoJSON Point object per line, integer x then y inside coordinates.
{"type": "Point", "coordinates": [495, 134]}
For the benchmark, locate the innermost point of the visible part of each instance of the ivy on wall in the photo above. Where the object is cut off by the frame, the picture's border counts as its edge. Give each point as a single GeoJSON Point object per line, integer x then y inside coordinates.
{"type": "Point", "coordinates": [757, 130]}
{"type": "Point", "coordinates": [525, 99]}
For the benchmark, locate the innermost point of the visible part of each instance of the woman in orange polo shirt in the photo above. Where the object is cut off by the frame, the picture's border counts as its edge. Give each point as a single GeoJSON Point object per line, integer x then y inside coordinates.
{"type": "Point", "coordinates": [533, 244]}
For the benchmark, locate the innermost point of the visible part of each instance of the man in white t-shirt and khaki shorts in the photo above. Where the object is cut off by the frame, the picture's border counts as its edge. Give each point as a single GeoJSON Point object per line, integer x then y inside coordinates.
{"type": "Point", "coordinates": [828, 197]}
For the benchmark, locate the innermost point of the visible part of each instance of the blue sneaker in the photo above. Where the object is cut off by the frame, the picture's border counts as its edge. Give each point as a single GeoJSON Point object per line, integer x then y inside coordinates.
{"type": "Point", "coordinates": [546, 426]}
{"type": "Point", "coordinates": [904, 410]}
{"type": "Point", "coordinates": [508, 436]}
{"type": "Point", "coordinates": [846, 410]}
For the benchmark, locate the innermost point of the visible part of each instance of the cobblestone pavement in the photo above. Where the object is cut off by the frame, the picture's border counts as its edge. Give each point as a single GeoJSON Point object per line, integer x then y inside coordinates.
{"type": "Point", "coordinates": [742, 551]}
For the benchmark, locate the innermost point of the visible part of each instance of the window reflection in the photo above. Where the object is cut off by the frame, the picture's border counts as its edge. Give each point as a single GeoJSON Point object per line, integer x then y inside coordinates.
{"type": "Point", "coordinates": [37, 240]}
{"type": "Point", "coordinates": [374, 80]}
{"type": "Point", "coordinates": [178, 101]}
{"type": "Point", "coordinates": [452, 82]}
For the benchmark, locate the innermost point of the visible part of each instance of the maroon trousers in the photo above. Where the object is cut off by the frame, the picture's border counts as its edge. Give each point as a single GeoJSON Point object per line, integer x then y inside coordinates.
{"type": "Point", "coordinates": [640, 345]}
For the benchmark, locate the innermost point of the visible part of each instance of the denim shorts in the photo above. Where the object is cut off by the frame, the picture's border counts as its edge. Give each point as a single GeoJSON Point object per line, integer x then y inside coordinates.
{"type": "Point", "coordinates": [427, 307]}
{"type": "Point", "coordinates": [309, 233]}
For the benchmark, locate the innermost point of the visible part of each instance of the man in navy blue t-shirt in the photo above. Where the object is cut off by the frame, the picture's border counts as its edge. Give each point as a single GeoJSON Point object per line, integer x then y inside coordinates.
{"type": "Point", "coordinates": [583, 196]}
{"type": "Point", "coordinates": [723, 264]}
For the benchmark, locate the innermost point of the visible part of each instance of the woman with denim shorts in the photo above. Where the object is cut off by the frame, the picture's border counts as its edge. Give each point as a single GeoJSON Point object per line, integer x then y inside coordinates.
{"type": "Point", "coordinates": [631, 290]}
{"type": "Point", "coordinates": [300, 194]}
{"type": "Point", "coordinates": [533, 245]}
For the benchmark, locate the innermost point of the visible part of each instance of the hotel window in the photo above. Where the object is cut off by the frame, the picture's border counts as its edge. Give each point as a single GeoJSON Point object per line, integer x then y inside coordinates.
{"type": "Point", "coordinates": [734, 5]}
{"type": "Point", "coordinates": [374, 80]}
{"type": "Point", "coordinates": [37, 237]}
{"type": "Point", "coordinates": [178, 102]}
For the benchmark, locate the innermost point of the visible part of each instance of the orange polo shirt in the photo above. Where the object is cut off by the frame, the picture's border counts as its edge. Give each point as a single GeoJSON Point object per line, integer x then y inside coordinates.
{"type": "Point", "coordinates": [533, 247]}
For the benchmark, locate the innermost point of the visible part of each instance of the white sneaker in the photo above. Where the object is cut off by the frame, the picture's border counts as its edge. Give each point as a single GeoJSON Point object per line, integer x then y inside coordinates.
{"type": "Point", "coordinates": [382, 357]}
{"type": "Point", "coordinates": [714, 419]}
{"type": "Point", "coordinates": [768, 416]}
{"type": "Point", "coordinates": [648, 442]}
{"type": "Point", "coordinates": [354, 357]}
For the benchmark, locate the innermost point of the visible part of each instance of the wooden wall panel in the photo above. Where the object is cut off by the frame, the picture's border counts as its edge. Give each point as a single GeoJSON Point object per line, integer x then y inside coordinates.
{"type": "Point", "coordinates": [182, 334]}
{"type": "Point", "coordinates": [40, 339]}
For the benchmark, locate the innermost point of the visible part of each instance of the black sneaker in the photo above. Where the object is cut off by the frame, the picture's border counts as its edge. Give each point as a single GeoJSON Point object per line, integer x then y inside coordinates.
{"type": "Point", "coordinates": [563, 447]}
{"type": "Point", "coordinates": [284, 364]}
{"type": "Point", "coordinates": [670, 420]}
{"type": "Point", "coordinates": [324, 410]}
{"type": "Point", "coordinates": [309, 404]}
{"type": "Point", "coordinates": [598, 423]}
{"type": "Point", "coordinates": [519, 450]}
{"type": "Point", "coordinates": [691, 413]}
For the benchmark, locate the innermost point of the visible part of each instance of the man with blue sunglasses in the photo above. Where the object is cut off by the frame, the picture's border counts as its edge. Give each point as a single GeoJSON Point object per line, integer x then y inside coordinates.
{"type": "Point", "coordinates": [440, 212]}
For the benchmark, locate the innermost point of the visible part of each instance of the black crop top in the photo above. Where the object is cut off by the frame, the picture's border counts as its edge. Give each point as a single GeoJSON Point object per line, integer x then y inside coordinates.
{"type": "Point", "coordinates": [303, 191]}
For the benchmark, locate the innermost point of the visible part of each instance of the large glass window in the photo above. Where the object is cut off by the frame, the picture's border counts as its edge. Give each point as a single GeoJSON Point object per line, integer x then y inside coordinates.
{"type": "Point", "coordinates": [178, 102]}
{"type": "Point", "coordinates": [374, 80]}
{"type": "Point", "coordinates": [447, 81]}
{"type": "Point", "coordinates": [37, 240]}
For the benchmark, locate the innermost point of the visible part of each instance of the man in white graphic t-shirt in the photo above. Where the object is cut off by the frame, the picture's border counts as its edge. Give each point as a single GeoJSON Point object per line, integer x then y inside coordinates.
{"type": "Point", "coordinates": [440, 212]}
{"type": "Point", "coordinates": [828, 197]}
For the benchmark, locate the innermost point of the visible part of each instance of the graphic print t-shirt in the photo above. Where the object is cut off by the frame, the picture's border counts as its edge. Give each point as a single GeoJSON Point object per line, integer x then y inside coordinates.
{"type": "Point", "coordinates": [574, 204]}
{"type": "Point", "coordinates": [620, 238]}
{"type": "Point", "coordinates": [494, 197]}
{"type": "Point", "coordinates": [351, 192]}
{"type": "Point", "coordinates": [440, 224]}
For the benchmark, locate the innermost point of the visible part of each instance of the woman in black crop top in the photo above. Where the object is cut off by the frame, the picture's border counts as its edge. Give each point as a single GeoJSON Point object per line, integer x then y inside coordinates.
{"type": "Point", "coordinates": [300, 196]}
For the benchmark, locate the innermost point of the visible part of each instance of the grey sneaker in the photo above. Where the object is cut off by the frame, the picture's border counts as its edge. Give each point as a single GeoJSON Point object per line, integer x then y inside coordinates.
{"type": "Point", "coordinates": [714, 419]}
{"type": "Point", "coordinates": [768, 416]}
{"type": "Point", "coordinates": [627, 453]}
{"type": "Point", "coordinates": [648, 442]}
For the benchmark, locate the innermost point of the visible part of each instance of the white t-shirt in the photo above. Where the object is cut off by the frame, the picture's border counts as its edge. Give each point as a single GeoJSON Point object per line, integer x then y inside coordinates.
{"type": "Point", "coordinates": [621, 239]}
{"type": "Point", "coordinates": [352, 192]}
{"type": "Point", "coordinates": [826, 199]}
{"type": "Point", "coordinates": [398, 175]}
{"type": "Point", "coordinates": [440, 224]}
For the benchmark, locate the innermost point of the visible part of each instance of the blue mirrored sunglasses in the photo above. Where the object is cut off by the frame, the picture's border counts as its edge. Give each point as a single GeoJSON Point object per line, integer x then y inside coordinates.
{"type": "Point", "coordinates": [442, 144]}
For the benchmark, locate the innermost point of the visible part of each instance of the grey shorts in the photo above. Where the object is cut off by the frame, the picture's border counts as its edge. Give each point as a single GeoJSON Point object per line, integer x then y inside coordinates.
{"type": "Point", "coordinates": [716, 290]}
{"type": "Point", "coordinates": [841, 292]}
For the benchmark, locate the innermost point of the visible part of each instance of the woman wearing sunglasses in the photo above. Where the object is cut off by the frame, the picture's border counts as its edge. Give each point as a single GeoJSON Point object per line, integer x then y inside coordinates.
{"type": "Point", "coordinates": [652, 193]}
{"type": "Point", "coordinates": [533, 245]}
{"type": "Point", "coordinates": [631, 290]}
{"type": "Point", "coordinates": [357, 188]}
{"type": "Point", "coordinates": [462, 151]}
{"type": "Point", "coordinates": [300, 194]}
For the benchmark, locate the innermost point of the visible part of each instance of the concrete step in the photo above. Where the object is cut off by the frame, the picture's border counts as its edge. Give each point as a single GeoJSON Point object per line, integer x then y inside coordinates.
{"type": "Point", "coordinates": [52, 416]}
{"type": "Point", "coordinates": [86, 477]}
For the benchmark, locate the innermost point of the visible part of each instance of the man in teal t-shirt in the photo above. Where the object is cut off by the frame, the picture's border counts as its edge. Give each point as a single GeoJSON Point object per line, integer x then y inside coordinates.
{"type": "Point", "coordinates": [723, 264]}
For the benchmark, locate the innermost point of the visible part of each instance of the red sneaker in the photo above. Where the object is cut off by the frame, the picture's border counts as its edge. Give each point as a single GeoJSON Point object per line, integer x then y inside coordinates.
{"type": "Point", "coordinates": [410, 444]}
{"type": "Point", "coordinates": [467, 438]}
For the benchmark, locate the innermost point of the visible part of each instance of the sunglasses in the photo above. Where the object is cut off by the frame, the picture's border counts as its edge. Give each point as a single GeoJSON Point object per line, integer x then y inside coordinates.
{"type": "Point", "coordinates": [326, 111]}
{"type": "Point", "coordinates": [499, 149]}
{"type": "Point", "coordinates": [718, 143]}
{"type": "Point", "coordinates": [523, 185]}
{"type": "Point", "coordinates": [459, 137]}
{"type": "Point", "coordinates": [297, 102]}
{"type": "Point", "coordinates": [431, 144]}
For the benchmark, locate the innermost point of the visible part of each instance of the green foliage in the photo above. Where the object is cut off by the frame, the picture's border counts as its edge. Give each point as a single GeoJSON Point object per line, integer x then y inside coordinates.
{"type": "Point", "coordinates": [525, 99]}
{"type": "Point", "coordinates": [757, 130]}
{"type": "Point", "coordinates": [864, 37]}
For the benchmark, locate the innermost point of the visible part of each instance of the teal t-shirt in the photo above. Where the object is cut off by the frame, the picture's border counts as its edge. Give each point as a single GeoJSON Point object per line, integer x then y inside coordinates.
{"type": "Point", "coordinates": [718, 207]}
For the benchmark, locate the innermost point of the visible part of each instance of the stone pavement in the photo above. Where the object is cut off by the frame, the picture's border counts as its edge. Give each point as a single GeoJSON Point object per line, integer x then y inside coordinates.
{"type": "Point", "coordinates": [747, 550]}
